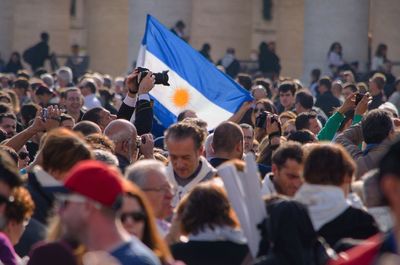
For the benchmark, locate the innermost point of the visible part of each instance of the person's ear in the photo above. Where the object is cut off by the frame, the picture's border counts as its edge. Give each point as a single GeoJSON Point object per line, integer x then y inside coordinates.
{"type": "Point", "coordinates": [274, 169]}
{"type": "Point", "coordinates": [200, 151]}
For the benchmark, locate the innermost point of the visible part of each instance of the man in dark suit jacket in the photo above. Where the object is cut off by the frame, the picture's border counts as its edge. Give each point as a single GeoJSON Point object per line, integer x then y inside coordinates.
{"type": "Point", "coordinates": [326, 101]}
{"type": "Point", "coordinates": [138, 101]}
{"type": "Point", "coordinates": [35, 56]}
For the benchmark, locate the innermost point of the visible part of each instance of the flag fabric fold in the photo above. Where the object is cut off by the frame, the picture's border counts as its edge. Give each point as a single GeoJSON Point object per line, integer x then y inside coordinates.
{"type": "Point", "coordinates": [195, 83]}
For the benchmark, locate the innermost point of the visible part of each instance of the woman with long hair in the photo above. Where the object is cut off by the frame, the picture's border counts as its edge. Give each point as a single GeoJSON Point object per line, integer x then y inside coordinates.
{"type": "Point", "coordinates": [210, 224]}
{"type": "Point", "coordinates": [138, 219]}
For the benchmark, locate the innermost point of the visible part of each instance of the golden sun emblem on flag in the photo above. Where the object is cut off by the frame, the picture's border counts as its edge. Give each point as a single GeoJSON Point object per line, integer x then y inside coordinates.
{"type": "Point", "coordinates": [180, 97]}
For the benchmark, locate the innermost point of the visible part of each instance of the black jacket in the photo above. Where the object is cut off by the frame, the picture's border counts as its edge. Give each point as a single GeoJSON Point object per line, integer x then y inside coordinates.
{"type": "Point", "coordinates": [327, 102]}
{"type": "Point", "coordinates": [43, 199]}
{"type": "Point", "coordinates": [288, 236]}
{"type": "Point", "coordinates": [144, 115]}
{"type": "Point", "coordinates": [352, 223]}
{"type": "Point", "coordinates": [210, 252]}
{"type": "Point", "coordinates": [376, 102]}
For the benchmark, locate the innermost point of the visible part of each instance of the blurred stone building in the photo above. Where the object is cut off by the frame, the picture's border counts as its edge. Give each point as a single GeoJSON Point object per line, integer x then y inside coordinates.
{"type": "Point", "coordinates": [110, 31]}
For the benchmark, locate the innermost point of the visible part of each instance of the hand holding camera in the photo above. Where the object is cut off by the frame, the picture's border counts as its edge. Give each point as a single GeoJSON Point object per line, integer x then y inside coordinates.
{"type": "Point", "coordinates": [361, 103]}
{"type": "Point", "coordinates": [348, 104]}
{"type": "Point", "coordinates": [147, 146]}
{"type": "Point", "coordinates": [269, 122]}
{"type": "Point", "coordinates": [142, 80]}
{"type": "Point", "coordinates": [131, 82]}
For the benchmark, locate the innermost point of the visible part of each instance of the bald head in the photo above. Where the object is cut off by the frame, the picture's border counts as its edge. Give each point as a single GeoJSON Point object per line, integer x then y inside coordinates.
{"type": "Point", "coordinates": [120, 130]}
{"type": "Point", "coordinates": [228, 140]}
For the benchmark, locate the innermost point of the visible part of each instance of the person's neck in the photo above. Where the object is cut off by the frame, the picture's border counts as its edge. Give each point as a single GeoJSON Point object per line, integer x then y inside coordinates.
{"type": "Point", "coordinates": [225, 155]}
{"type": "Point", "coordinates": [184, 181]}
{"type": "Point", "coordinates": [75, 114]}
{"type": "Point", "coordinates": [289, 107]}
{"type": "Point", "coordinates": [105, 239]}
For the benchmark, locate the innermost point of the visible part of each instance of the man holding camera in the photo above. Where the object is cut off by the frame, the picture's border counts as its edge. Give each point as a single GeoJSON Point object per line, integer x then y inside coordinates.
{"type": "Point", "coordinates": [138, 101]}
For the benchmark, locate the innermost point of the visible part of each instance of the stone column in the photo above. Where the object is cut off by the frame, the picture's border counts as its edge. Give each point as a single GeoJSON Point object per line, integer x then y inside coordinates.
{"type": "Point", "coordinates": [325, 22]}
{"type": "Point", "coordinates": [290, 36]}
{"type": "Point", "coordinates": [223, 24]}
{"type": "Point", "coordinates": [384, 19]}
{"type": "Point", "coordinates": [107, 35]}
{"type": "Point", "coordinates": [30, 18]}
{"type": "Point", "coordinates": [6, 27]}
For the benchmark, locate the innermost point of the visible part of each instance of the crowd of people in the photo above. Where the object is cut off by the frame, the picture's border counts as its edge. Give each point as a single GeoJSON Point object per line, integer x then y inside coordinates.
{"type": "Point", "coordinates": [82, 180]}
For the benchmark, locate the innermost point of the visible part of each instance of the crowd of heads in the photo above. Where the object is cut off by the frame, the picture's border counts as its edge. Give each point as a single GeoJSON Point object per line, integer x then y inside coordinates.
{"type": "Point", "coordinates": [83, 145]}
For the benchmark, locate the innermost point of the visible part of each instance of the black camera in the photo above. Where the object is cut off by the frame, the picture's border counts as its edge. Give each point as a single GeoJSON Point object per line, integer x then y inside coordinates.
{"type": "Point", "coordinates": [159, 78]}
{"type": "Point", "coordinates": [359, 97]}
{"type": "Point", "coordinates": [261, 120]}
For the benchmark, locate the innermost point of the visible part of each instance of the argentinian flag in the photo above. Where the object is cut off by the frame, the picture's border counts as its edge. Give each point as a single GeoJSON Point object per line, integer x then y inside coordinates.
{"type": "Point", "coordinates": [196, 83]}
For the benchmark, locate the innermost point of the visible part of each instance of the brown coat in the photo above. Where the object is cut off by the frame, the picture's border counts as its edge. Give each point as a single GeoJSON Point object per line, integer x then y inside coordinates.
{"type": "Point", "coordinates": [351, 139]}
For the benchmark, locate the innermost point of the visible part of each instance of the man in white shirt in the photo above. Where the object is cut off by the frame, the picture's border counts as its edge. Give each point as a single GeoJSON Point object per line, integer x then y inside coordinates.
{"type": "Point", "coordinates": [287, 167]}
{"type": "Point", "coordinates": [88, 89]}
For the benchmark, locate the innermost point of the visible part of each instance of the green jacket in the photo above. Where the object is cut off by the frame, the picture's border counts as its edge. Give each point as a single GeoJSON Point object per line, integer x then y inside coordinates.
{"type": "Point", "coordinates": [332, 125]}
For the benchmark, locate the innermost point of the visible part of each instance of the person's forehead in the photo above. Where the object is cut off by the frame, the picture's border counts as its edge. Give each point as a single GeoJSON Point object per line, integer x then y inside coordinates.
{"type": "Point", "coordinates": [8, 121]}
{"type": "Point", "coordinates": [155, 178]}
{"type": "Point", "coordinates": [176, 141]}
{"type": "Point", "coordinates": [75, 93]}
{"type": "Point", "coordinates": [290, 163]}
{"type": "Point", "coordinates": [247, 131]}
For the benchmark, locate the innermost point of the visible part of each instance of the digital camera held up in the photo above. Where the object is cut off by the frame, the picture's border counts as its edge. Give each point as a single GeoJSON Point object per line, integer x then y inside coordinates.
{"type": "Point", "coordinates": [159, 78]}
{"type": "Point", "coordinates": [261, 120]}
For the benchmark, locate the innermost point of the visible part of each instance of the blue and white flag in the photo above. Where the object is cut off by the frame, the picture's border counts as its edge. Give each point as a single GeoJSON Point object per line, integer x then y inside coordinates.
{"type": "Point", "coordinates": [196, 83]}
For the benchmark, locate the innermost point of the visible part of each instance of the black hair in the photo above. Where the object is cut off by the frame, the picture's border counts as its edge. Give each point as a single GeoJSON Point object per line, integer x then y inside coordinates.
{"type": "Point", "coordinates": [303, 120]}
{"type": "Point", "coordinates": [376, 126]}
{"type": "Point", "coordinates": [287, 86]}
{"type": "Point", "coordinates": [305, 99]}
{"type": "Point", "coordinates": [288, 150]}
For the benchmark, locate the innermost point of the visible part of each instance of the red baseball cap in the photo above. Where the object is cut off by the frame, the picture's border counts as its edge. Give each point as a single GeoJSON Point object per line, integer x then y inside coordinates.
{"type": "Point", "coordinates": [97, 181]}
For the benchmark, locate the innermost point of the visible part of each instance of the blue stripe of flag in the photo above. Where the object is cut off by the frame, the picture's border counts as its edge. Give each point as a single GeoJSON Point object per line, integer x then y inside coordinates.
{"type": "Point", "coordinates": [193, 67]}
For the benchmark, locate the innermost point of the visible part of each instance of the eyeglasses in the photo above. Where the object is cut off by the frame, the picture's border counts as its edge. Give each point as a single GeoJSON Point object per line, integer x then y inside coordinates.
{"type": "Point", "coordinates": [25, 222]}
{"type": "Point", "coordinates": [258, 110]}
{"type": "Point", "coordinates": [138, 142]}
{"type": "Point", "coordinates": [164, 189]}
{"type": "Point", "coordinates": [135, 216]}
{"type": "Point", "coordinates": [5, 199]}
{"type": "Point", "coordinates": [63, 200]}
{"type": "Point", "coordinates": [23, 155]}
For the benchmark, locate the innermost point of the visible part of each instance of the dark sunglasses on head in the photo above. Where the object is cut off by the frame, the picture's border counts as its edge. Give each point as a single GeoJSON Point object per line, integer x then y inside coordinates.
{"type": "Point", "coordinates": [136, 216]}
{"type": "Point", "coordinates": [258, 110]}
{"type": "Point", "coordinates": [23, 155]}
{"type": "Point", "coordinates": [5, 199]}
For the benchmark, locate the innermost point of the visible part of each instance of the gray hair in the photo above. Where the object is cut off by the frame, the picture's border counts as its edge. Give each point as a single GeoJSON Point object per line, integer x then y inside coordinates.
{"type": "Point", "coordinates": [65, 74]}
{"type": "Point", "coordinates": [208, 146]}
{"type": "Point", "coordinates": [106, 157]}
{"type": "Point", "coordinates": [138, 172]}
{"type": "Point", "coordinates": [48, 80]}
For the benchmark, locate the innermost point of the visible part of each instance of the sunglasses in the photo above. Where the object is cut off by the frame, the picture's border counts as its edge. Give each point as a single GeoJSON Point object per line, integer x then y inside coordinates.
{"type": "Point", "coordinates": [23, 155]}
{"type": "Point", "coordinates": [258, 110]}
{"type": "Point", "coordinates": [5, 199]}
{"type": "Point", "coordinates": [136, 216]}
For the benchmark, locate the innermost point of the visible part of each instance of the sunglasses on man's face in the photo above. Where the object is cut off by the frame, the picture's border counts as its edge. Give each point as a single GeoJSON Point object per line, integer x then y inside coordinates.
{"type": "Point", "coordinates": [258, 110]}
{"type": "Point", "coordinates": [135, 216]}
